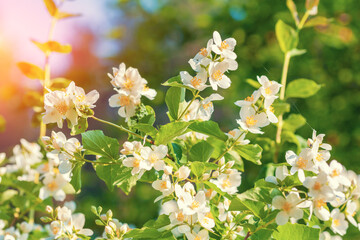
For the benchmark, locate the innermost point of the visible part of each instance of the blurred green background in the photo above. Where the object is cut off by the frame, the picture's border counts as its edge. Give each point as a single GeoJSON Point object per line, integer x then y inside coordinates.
{"type": "Point", "coordinates": [159, 36]}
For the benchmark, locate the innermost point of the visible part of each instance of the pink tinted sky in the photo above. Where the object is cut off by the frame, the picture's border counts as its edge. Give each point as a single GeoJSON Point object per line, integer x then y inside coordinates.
{"type": "Point", "coordinates": [22, 20]}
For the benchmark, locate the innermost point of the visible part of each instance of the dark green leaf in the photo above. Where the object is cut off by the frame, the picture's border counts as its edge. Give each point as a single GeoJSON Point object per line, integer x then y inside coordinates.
{"type": "Point", "coordinates": [97, 143]}
{"type": "Point", "coordinates": [209, 128]}
{"type": "Point", "coordinates": [251, 152]}
{"type": "Point", "coordinates": [201, 151]}
{"type": "Point", "coordinates": [76, 176]}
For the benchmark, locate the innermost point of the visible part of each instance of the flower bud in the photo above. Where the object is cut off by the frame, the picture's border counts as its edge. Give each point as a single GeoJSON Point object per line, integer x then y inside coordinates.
{"type": "Point", "coordinates": [109, 214]}
{"type": "Point", "coordinates": [112, 225]}
{"type": "Point", "coordinates": [103, 217]}
{"type": "Point", "coordinates": [215, 174]}
{"type": "Point", "coordinates": [108, 230]}
{"type": "Point", "coordinates": [49, 209]}
{"type": "Point", "coordinates": [230, 164]}
{"type": "Point", "coordinates": [183, 172]}
{"type": "Point", "coordinates": [206, 176]}
{"type": "Point", "coordinates": [222, 161]}
{"type": "Point", "coordinates": [168, 170]}
{"type": "Point", "coordinates": [124, 228]}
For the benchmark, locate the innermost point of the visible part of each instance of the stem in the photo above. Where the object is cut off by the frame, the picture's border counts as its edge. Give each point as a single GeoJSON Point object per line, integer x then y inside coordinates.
{"type": "Point", "coordinates": [247, 236]}
{"type": "Point", "coordinates": [47, 79]}
{"type": "Point", "coordinates": [282, 96]}
{"type": "Point", "coordinates": [228, 149]}
{"type": "Point", "coordinates": [303, 20]}
{"type": "Point", "coordinates": [187, 107]}
{"type": "Point", "coordinates": [122, 129]}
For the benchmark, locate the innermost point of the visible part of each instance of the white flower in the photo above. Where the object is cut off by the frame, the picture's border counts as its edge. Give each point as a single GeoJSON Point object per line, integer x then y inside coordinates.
{"type": "Point", "coordinates": [235, 134]}
{"type": "Point", "coordinates": [300, 163]}
{"type": "Point", "coordinates": [252, 121]}
{"type": "Point", "coordinates": [64, 214]}
{"type": "Point", "coordinates": [350, 212]}
{"type": "Point", "coordinates": [59, 106]}
{"type": "Point", "coordinates": [320, 208]}
{"type": "Point", "coordinates": [319, 186]}
{"type": "Point", "coordinates": [137, 163]}
{"type": "Point", "coordinates": [78, 221]}
{"type": "Point", "coordinates": [316, 142]}
{"type": "Point", "coordinates": [337, 174]}
{"type": "Point", "coordinates": [82, 100]}
{"type": "Point", "coordinates": [228, 182]}
{"type": "Point", "coordinates": [198, 82]}
{"type": "Point", "coordinates": [217, 76]}
{"type": "Point", "coordinates": [163, 185]}
{"type": "Point", "coordinates": [206, 220]}
{"type": "Point", "coordinates": [224, 48]}
{"type": "Point", "coordinates": [207, 107]}
{"type": "Point", "coordinates": [338, 223]}
{"type": "Point", "coordinates": [53, 184]}
{"type": "Point", "coordinates": [183, 172]}
{"type": "Point", "coordinates": [281, 173]}
{"type": "Point", "coordinates": [327, 236]}
{"type": "Point", "coordinates": [203, 57]}
{"type": "Point", "coordinates": [248, 101]}
{"type": "Point", "coordinates": [126, 102]}
{"type": "Point", "coordinates": [271, 115]}
{"type": "Point", "coordinates": [127, 79]}
{"type": "Point", "coordinates": [131, 148]}
{"type": "Point", "coordinates": [202, 235]}
{"type": "Point", "coordinates": [154, 156]}
{"type": "Point", "coordinates": [268, 89]}
{"type": "Point", "coordinates": [288, 208]}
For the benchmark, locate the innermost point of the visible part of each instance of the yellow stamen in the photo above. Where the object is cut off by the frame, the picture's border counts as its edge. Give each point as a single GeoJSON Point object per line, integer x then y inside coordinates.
{"type": "Point", "coordinates": [268, 91]}
{"type": "Point", "coordinates": [224, 45]}
{"type": "Point", "coordinates": [317, 186]}
{"type": "Point", "coordinates": [226, 183]}
{"type": "Point", "coordinates": [180, 217]}
{"type": "Point", "coordinates": [195, 204]}
{"type": "Point", "coordinates": [287, 207]}
{"type": "Point", "coordinates": [250, 121]}
{"type": "Point", "coordinates": [217, 75]}
{"type": "Point", "coordinates": [206, 106]}
{"type": "Point", "coordinates": [124, 100]}
{"type": "Point", "coordinates": [62, 107]}
{"type": "Point", "coordinates": [335, 173]}
{"type": "Point", "coordinates": [336, 222]}
{"type": "Point", "coordinates": [232, 133]}
{"type": "Point", "coordinates": [136, 163]}
{"type": "Point", "coordinates": [195, 82]}
{"type": "Point", "coordinates": [250, 99]}
{"type": "Point", "coordinates": [163, 185]}
{"type": "Point", "coordinates": [203, 52]}
{"type": "Point", "coordinates": [301, 163]}
{"type": "Point", "coordinates": [319, 203]}
{"type": "Point", "coordinates": [52, 186]}
{"type": "Point", "coordinates": [128, 84]}
{"type": "Point", "coordinates": [319, 157]}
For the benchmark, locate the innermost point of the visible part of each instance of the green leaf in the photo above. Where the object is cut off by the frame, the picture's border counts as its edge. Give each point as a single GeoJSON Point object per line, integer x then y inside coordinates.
{"type": "Point", "coordinates": [209, 128]}
{"type": "Point", "coordinates": [162, 221]}
{"type": "Point", "coordinates": [287, 36]}
{"type": "Point", "coordinates": [176, 82]}
{"type": "Point", "coordinates": [294, 122]}
{"type": "Point", "coordinates": [97, 143]}
{"type": "Point", "coordinates": [76, 177]}
{"type": "Point", "coordinates": [296, 52]}
{"type": "Point", "coordinates": [317, 21]}
{"type": "Point", "coordinates": [302, 88]}
{"type": "Point", "coordinates": [197, 168]}
{"type": "Point", "coordinates": [253, 83]}
{"type": "Point", "coordinates": [262, 234]}
{"type": "Point", "coordinates": [7, 195]}
{"type": "Point", "coordinates": [115, 174]}
{"type": "Point", "coordinates": [251, 152]}
{"type": "Point", "coordinates": [174, 96]}
{"type": "Point", "coordinates": [296, 232]}
{"type": "Point", "coordinates": [280, 108]}
{"type": "Point", "coordinates": [264, 184]}
{"type": "Point", "coordinates": [254, 199]}
{"type": "Point", "coordinates": [201, 151]}
{"type": "Point", "coordinates": [170, 131]}
{"type": "Point", "coordinates": [234, 156]}
{"type": "Point", "coordinates": [146, 129]}
{"type": "Point", "coordinates": [218, 190]}
{"type": "Point", "coordinates": [80, 127]}
{"type": "Point", "coordinates": [289, 136]}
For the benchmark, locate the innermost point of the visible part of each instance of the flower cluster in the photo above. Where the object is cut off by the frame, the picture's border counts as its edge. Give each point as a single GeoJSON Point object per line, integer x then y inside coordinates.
{"type": "Point", "coordinates": [210, 66]}
{"type": "Point", "coordinates": [69, 104]}
{"type": "Point", "coordinates": [64, 224]}
{"type": "Point", "coordinates": [257, 110]}
{"type": "Point", "coordinates": [332, 191]}
{"type": "Point", "coordinates": [130, 86]}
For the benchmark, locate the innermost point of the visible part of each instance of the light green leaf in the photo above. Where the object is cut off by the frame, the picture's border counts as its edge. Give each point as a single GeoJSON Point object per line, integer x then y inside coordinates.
{"type": "Point", "coordinates": [293, 122]}
{"type": "Point", "coordinates": [296, 52]}
{"type": "Point", "coordinates": [296, 232]}
{"type": "Point", "coordinates": [234, 156]}
{"type": "Point", "coordinates": [197, 168]}
{"type": "Point", "coordinates": [99, 144]}
{"type": "Point", "coordinates": [174, 96]}
{"type": "Point", "coordinates": [317, 21]}
{"type": "Point", "coordinates": [176, 82]}
{"type": "Point", "coordinates": [287, 36]}
{"type": "Point", "coordinates": [146, 129]}
{"type": "Point", "coordinates": [209, 128]}
{"type": "Point", "coordinates": [80, 127]}
{"type": "Point", "coordinates": [280, 107]}
{"type": "Point", "coordinates": [253, 83]}
{"type": "Point", "coordinates": [289, 136]}
{"type": "Point", "coordinates": [201, 151]}
{"type": "Point", "coordinates": [302, 88]}
{"type": "Point", "coordinates": [251, 152]}
{"type": "Point", "coordinates": [170, 131]}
